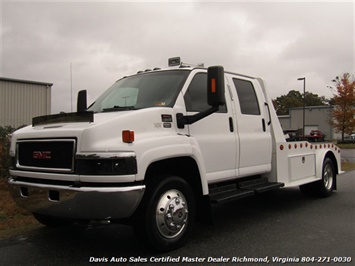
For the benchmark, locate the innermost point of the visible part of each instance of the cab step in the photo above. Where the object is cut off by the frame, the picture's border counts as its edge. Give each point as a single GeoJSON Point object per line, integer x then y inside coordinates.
{"type": "Point", "coordinates": [228, 193]}
{"type": "Point", "coordinates": [239, 190]}
{"type": "Point", "coordinates": [260, 185]}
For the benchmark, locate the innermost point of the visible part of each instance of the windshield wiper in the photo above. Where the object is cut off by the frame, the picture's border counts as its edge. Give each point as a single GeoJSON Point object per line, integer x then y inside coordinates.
{"type": "Point", "coordinates": [119, 108]}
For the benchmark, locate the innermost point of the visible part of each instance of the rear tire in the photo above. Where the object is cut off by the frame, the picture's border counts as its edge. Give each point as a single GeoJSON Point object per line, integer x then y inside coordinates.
{"type": "Point", "coordinates": [168, 216]}
{"type": "Point", "coordinates": [325, 186]}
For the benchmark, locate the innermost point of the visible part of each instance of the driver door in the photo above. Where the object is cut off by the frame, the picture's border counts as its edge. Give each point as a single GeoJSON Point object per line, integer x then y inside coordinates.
{"type": "Point", "coordinates": [214, 134]}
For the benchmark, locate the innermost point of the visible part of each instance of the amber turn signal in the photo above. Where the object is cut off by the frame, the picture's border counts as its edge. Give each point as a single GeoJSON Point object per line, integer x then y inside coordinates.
{"type": "Point", "coordinates": [127, 136]}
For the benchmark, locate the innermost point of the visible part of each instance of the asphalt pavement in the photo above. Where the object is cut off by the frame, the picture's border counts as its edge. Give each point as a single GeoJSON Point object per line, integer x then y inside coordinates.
{"type": "Point", "coordinates": [282, 226]}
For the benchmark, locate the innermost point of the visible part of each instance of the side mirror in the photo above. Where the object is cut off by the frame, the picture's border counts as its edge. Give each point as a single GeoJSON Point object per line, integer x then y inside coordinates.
{"type": "Point", "coordinates": [215, 97]}
{"type": "Point", "coordinates": [82, 101]}
{"type": "Point", "coordinates": [215, 86]}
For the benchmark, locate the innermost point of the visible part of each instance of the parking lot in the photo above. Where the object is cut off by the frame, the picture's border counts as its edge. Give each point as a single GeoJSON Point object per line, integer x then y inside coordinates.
{"type": "Point", "coordinates": [281, 226]}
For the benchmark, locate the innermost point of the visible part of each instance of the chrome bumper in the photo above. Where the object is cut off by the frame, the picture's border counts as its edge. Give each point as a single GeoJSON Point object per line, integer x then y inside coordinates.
{"type": "Point", "coordinates": [91, 203]}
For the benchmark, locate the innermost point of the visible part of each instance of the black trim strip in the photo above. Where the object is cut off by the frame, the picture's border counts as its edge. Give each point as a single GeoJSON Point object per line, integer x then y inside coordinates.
{"type": "Point", "coordinates": [63, 118]}
{"type": "Point", "coordinates": [77, 184]}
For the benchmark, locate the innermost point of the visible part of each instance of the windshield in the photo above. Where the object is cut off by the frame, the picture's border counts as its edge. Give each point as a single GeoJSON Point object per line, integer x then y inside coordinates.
{"type": "Point", "coordinates": [153, 89]}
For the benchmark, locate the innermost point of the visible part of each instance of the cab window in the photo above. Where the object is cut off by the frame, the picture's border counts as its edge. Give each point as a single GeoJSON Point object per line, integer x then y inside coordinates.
{"type": "Point", "coordinates": [196, 95]}
{"type": "Point", "coordinates": [248, 100]}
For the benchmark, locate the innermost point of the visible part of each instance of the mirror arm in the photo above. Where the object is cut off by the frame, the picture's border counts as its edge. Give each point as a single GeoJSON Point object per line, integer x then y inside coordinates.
{"type": "Point", "coordinates": [183, 120]}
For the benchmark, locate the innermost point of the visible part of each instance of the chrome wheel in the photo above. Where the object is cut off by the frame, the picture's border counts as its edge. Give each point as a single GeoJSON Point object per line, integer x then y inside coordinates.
{"type": "Point", "coordinates": [166, 216]}
{"type": "Point", "coordinates": [325, 186]}
{"type": "Point", "coordinates": [171, 214]}
{"type": "Point", "coordinates": [328, 177]}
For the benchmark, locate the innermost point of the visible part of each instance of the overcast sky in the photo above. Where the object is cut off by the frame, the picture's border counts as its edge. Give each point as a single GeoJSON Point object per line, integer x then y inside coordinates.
{"type": "Point", "coordinates": [279, 41]}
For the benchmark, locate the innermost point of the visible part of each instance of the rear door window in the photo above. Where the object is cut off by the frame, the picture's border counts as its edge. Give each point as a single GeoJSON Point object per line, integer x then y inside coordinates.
{"type": "Point", "coordinates": [248, 100]}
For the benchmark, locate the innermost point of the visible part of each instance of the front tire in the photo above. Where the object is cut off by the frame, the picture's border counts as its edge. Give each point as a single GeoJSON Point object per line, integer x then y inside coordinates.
{"type": "Point", "coordinates": [169, 214]}
{"type": "Point", "coordinates": [325, 186]}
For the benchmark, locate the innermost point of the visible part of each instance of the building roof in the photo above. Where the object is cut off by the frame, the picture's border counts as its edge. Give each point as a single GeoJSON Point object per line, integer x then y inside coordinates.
{"type": "Point", "coordinates": [313, 107]}
{"type": "Point", "coordinates": [26, 81]}
{"type": "Point", "coordinates": [283, 116]}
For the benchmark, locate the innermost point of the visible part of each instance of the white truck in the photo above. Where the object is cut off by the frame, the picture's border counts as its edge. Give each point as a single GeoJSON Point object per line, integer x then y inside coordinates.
{"type": "Point", "coordinates": [158, 148]}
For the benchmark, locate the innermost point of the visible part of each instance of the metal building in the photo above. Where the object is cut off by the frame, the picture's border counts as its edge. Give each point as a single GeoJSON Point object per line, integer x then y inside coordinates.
{"type": "Point", "coordinates": [316, 118]}
{"type": "Point", "coordinates": [21, 100]}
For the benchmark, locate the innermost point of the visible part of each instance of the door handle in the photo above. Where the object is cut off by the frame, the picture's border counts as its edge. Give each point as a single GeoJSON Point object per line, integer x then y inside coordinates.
{"type": "Point", "coordinates": [263, 122]}
{"type": "Point", "coordinates": [268, 110]}
{"type": "Point", "coordinates": [231, 126]}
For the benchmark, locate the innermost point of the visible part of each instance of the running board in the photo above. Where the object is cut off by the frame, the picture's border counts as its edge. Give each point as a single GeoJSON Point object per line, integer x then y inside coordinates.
{"type": "Point", "coordinates": [235, 191]}
{"type": "Point", "coordinates": [260, 185]}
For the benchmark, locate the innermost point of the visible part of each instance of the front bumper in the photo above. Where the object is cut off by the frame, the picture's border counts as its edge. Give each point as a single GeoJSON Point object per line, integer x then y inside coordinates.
{"type": "Point", "coordinates": [89, 203]}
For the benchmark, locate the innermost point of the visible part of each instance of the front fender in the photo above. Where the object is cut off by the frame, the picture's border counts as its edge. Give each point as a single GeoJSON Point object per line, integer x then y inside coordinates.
{"type": "Point", "coordinates": [182, 147]}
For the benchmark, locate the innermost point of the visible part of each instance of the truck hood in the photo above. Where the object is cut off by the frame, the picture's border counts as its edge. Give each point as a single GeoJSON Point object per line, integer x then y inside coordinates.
{"type": "Point", "coordinates": [105, 132]}
{"type": "Point", "coordinates": [61, 129]}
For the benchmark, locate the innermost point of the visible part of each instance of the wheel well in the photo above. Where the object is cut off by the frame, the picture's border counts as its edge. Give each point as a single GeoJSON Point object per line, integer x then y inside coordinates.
{"type": "Point", "coordinates": [184, 167]}
{"type": "Point", "coordinates": [331, 156]}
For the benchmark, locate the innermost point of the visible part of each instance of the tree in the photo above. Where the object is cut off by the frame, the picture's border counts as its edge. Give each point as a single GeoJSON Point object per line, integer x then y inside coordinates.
{"type": "Point", "coordinates": [295, 99]}
{"type": "Point", "coordinates": [343, 115]}
{"type": "Point", "coordinates": [5, 160]}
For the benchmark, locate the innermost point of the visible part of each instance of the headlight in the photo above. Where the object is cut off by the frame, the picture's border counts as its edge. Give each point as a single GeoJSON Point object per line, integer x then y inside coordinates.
{"type": "Point", "coordinates": [106, 164]}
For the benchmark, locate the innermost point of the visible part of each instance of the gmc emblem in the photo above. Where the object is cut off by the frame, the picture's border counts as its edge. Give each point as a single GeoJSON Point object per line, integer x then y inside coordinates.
{"type": "Point", "coordinates": [42, 155]}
